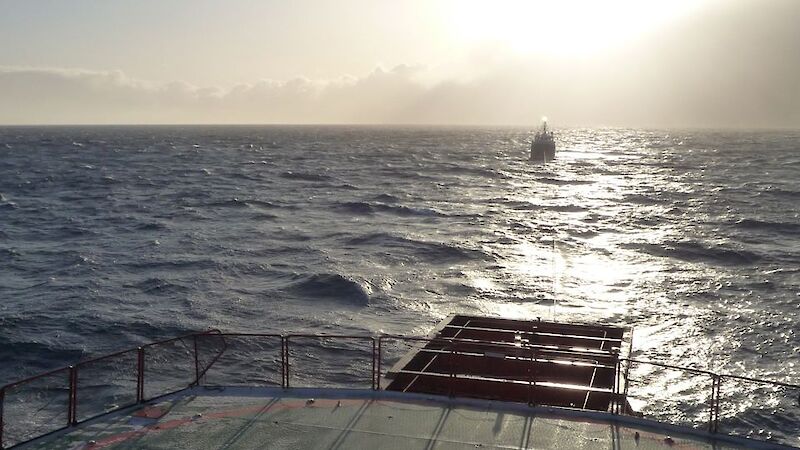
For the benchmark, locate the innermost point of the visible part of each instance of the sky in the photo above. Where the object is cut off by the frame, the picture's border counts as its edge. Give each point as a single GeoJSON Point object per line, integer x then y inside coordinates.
{"type": "Point", "coordinates": [629, 63]}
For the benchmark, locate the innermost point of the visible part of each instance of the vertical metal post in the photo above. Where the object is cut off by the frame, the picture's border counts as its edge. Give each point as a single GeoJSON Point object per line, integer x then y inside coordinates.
{"type": "Point", "coordinates": [69, 395]}
{"type": "Point", "coordinates": [378, 363]}
{"type": "Point", "coordinates": [2, 402]}
{"type": "Point", "coordinates": [72, 398]}
{"type": "Point", "coordinates": [140, 375]}
{"type": "Point", "coordinates": [374, 354]}
{"type": "Point", "coordinates": [535, 372]}
{"type": "Point", "coordinates": [452, 374]}
{"type": "Point", "coordinates": [620, 401]}
{"type": "Point", "coordinates": [285, 361]}
{"type": "Point", "coordinates": [712, 407]}
{"type": "Point", "coordinates": [196, 363]}
{"type": "Point", "coordinates": [625, 389]}
{"type": "Point", "coordinates": [615, 392]}
{"type": "Point", "coordinates": [533, 342]}
{"type": "Point", "coordinates": [532, 357]}
{"type": "Point", "coordinates": [716, 406]}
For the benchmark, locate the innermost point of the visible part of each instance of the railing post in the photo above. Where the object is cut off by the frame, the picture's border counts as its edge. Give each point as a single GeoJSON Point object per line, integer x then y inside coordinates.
{"type": "Point", "coordinates": [73, 396]}
{"type": "Point", "coordinates": [283, 365]}
{"type": "Point", "coordinates": [712, 406]}
{"type": "Point", "coordinates": [452, 374]}
{"type": "Point", "coordinates": [2, 402]}
{"type": "Point", "coordinates": [532, 357]}
{"type": "Point", "coordinates": [374, 355]}
{"type": "Point", "coordinates": [716, 406]}
{"type": "Point", "coordinates": [626, 376]}
{"type": "Point", "coordinates": [285, 361]}
{"type": "Point", "coordinates": [378, 362]}
{"type": "Point", "coordinates": [535, 372]}
{"type": "Point", "coordinates": [196, 363]}
{"type": "Point", "coordinates": [615, 391]}
{"type": "Point", "coordinates": [140, 375]}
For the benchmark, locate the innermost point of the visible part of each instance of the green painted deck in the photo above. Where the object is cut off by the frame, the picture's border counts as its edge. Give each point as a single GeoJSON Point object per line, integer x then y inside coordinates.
{"type": "Point", "coordinates": [242, 418]}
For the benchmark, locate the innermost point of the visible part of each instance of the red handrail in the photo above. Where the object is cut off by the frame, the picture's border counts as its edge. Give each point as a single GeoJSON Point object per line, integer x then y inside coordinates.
{"type": "Point", "coordinates": [376, 369]}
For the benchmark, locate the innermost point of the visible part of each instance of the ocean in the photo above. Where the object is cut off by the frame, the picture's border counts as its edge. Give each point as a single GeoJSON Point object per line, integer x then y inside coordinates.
{"type": "Point", "coordinates": [111, 237]}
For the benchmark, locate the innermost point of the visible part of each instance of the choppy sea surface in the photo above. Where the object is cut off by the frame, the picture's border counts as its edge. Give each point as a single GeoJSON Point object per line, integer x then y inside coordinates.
{"type": "Point", "coordinates": [115, 236]}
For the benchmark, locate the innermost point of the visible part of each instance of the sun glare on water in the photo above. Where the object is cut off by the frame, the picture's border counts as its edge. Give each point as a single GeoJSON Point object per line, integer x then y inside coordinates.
{"type": "Point", "coordinates": [562, 26]}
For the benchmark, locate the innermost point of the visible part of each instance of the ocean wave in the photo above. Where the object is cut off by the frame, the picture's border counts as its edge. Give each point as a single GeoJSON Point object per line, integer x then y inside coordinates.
{"type": "Point", "coordinates": [8, 253]}
{"type": "Point", "coordinates": [410, 211]}
{"type": "Point", "coordinates": [582, 232]}
{"type": "Point", "coordinates": [386, 198]}
{"type": "Point", "coordinates": [693, 251]}
{"type": "Point", "coordinates": [244, 176]}
{"type": "Point", "coordinates": [402, 174]}
{"type": "Point", "coordinates": [5, 203]}
{"type": "Point", "coordinates": [262, 204]}
{"type": "Point", "coordinates": [356, 207]}
{"type": "Point", "coordinates": [286, 250]}
{"type": "Point", "coordinates": [36, 356]}
{"type": "Point", "coordinates": [430, 251]}
{"type": "Point", "coordinates": [562, 182]}
{"type": "Point", "coordinates": [158, 286]}
{"type": "Point", "coordinates": [237, 202]}
{"type": "Point", "coordinates": [346, 187]}
{"type": "Point", "coordinates": [173, 264]}
{"type": "Point", "coordinates": [479, 171]}
{"type": "Point", "coordinates": [641, 199]}
{"type": "Point", "coordinates": [783, 193]}
{"type": "Point", "coordinates": [261, 162]}
{"type": "Point", "coordinates": [73, 231]}
{"type": "Point", "coordinates": [564, 208]}
{"type": "Point", "coordinates": [778, 227]}
{"type": "Point", "coordinates": [263, 216]}
{"type": "Point", "coordinates": [303, 176]}
{"type": "Point", "coordinates": [59, 259]}
{"type": "Point", "coordinates": [230, 203]}
{"type": "Point", "coordinates": [514, 204]}
{"type": "Point", "coordinates": [529, 206]}
{"type": "Point", "coordinates": [365, 208]}
{"type": "Point", "coordinates": [151, 226]}
{"type": "Point", "coordinates": [331, 286]}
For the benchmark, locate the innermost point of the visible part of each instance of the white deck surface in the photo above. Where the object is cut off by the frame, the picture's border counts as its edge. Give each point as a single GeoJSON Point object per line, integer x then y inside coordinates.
{"type": "Point", "coordinates": [240, 418]}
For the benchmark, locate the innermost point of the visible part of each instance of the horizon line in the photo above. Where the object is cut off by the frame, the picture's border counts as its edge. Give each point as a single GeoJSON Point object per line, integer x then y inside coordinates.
{"type": "Point", "coordinates": [398, 125]}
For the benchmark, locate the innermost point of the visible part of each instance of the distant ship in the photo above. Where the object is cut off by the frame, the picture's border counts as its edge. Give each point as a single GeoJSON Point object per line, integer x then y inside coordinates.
{"type": "Point", "coordinates": [543, 147]}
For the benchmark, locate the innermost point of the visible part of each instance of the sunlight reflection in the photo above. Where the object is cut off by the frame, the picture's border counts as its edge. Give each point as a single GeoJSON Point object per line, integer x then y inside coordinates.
{"type": "Point", "coordinates": [539, 26]}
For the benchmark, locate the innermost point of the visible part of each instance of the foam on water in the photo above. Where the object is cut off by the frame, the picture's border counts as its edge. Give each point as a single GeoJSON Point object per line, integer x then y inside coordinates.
{"type": "Point", "coordinates": [114, 236]}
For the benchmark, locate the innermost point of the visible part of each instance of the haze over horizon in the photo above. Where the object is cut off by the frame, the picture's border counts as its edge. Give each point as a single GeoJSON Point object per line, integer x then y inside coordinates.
{"type": "Point", "coordinates": [711, 63]}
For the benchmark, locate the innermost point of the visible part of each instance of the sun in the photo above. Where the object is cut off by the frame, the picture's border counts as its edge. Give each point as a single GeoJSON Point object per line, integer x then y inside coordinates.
{"type": "Point", "coordinates": [559, 26]}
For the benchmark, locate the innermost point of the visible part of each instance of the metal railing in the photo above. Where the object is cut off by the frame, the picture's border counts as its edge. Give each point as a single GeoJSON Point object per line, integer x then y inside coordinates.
{"type": "Point", "coordinates": [65, 387]}
{"type": "Point", "coordinates": [81, 392]}
{"type": "Point", "coordinates": [714, 396]}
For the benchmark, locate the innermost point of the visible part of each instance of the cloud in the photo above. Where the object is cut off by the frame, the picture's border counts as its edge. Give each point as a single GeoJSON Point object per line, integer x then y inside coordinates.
{"type": "Point", "coordinates": [704, 73]}
{"type": "Point", "coordinates": [734, 65]}
{"type": "Point", "coordinates": [37, 95]}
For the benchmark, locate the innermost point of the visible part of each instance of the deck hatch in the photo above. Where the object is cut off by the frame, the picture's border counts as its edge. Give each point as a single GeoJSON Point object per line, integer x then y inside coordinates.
{"type": "Point", "coordinates": [545, 363]}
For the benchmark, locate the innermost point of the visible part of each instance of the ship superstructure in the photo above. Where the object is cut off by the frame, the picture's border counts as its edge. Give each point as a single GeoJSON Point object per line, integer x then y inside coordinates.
{"type": "Point", "coordinates": [543, 147]}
